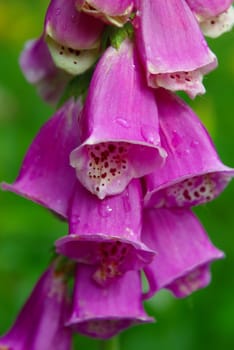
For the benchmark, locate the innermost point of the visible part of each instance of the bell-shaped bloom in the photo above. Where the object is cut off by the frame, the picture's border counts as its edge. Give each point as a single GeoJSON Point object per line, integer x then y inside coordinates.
{"type": "Point", "coordinates": [40, 70]}
{"type": "Point", "coordinates": [172, 47]}
{"type": "Point", "coordinates": [73, 37]}
{"type": "Point", "coordinates": [103, 312]}
{"type": "Point", "coordinates": [119, 125]}
{"type": "Point", "coordinates": [184, 252]}
{"type": "Point", "coordinates": [193, 173]}
{"type": "Point", "coordinates": [106, 233]}
{"type": "Point", "coordinates": [114, 12]}
{"type": "Point", "coordinates": [46, 176]}
{"type": "Point", "coordinates": [40, 324]}
{"type": "Point", "coordinates": [217, 25]}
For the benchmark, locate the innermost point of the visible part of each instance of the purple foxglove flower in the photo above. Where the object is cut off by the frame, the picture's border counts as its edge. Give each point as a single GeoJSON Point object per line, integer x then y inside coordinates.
{"type": "Point", "coordinates": [173, 59]}
{"type": "Point", "coordinates": [184, 251]}
{"type": "Point", "coordinates": [40, 324]}
{"type": "Point", "coordinates": [104, 312]}
{"type": "Point", "coordinates": [193, 173]}
{"type": "Point", "coordinates": [113, 12]}
{"type": "Point", "coordinates": [217, 25]}
{"type": "Point", "coordinates": [46, 176]}
{"type": "Point", "coordinates": [73, 37]}
{"type": "Point", "coordinates": [106, 233]}
{"type": "Point", "coordinates": [40, 70]}
{"type": "Point", "coordinates": [119, 125]}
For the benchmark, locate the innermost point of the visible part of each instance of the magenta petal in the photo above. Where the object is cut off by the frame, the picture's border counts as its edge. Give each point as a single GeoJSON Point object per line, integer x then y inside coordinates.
{"type": "Point", "coordinates": [104, 312]}
{"type": "Point", "coordinates": [46, 176]}
{"type": "Point", "coordinates": [209, 8]}
{"type": "Point", "coordinates": [70, 27]}
{"type": "Point", "coordinates": [173, 59]}
{"type": "Point", "coordinates": [40, 324]}
{"type": "Point", "coordinates": [73, 38]}
{"type": "Point", "coordinates": [119, 126]}
{"type": "Point", "coordinates": [39, 69]}
{"type": "Point", "coordinates": [114, 12]}
{"type": "Point", "coordinates": [106, 233]}
{"type": "Point", "coordinates": [184, 251]}
{"type": "Point", "coordinates": [193, 173]}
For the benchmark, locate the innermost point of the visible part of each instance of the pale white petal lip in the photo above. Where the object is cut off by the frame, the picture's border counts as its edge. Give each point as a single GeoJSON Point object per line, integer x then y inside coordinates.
{"type": "Point", "coordinates": [72, 61]}
{"type": "Point", "coordinates": [218, 25]}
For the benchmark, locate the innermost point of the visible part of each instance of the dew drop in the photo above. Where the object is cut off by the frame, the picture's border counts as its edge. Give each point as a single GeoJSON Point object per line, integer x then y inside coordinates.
{"type": "Point", "coordinates": [194, 143]}
{"type": "Point", "coordinates": [126, 203]}
{"type": "Point", "coordinates": [58, 11]}
{"type": "Point", "coordinates": [105, 210]}
{"type": "Point", "coordinates": [122, 122]}
{"type": "Point", "coordinates": [149, 134]}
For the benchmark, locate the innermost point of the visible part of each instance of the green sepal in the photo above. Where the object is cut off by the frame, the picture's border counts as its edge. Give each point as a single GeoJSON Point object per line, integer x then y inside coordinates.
{"type": "Point", "coordinates": [77, 87]}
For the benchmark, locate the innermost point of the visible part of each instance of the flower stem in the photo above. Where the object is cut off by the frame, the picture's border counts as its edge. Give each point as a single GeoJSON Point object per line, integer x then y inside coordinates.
{"type": "Point", "coordinates": [110, 344]}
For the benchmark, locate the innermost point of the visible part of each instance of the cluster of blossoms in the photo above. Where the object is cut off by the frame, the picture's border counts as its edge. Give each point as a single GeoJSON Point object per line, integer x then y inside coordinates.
{"type": "Point", "coordinates": [123, 161]}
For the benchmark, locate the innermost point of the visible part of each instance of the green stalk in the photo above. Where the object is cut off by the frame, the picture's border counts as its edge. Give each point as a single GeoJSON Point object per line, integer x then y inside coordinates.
{"type": "Point", "coordinates": [110, 344]}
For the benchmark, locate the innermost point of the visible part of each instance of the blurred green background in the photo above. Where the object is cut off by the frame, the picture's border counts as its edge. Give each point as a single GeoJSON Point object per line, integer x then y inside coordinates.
{"type": "Point", "coordinates": [27, 231]}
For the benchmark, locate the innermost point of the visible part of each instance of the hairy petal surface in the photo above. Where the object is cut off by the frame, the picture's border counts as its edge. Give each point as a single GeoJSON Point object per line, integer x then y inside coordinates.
{"type": "Point", "coordinates": [104, 312]}
{"type": "Point", "coordinates": [119, 126]}
{"type": "Point", "coordinates": [184, 251]}
{"type": "Point", "coordinates": [173, 59]}
{"type": "Point", "coordinates": [46, 176]}
{"type": "Point", "coordinates": [193, 173]}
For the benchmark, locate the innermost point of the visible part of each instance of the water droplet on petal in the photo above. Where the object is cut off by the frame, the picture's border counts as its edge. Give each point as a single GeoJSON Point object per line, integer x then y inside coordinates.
{"type": "Point", "coordinates": [194, 143]}
{"type": "Point", "coordinates": [105, 210]}
{"type": "Point", "coordinates": [149, 134]}
{"type": "Point", "coordinates": [58, 11]}
{"type": "Point", "coordinates": [122, 122]}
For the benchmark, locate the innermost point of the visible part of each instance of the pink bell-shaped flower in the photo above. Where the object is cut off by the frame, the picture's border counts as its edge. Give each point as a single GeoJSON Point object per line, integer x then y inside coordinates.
{"type": "Point", "coordinates": [119, 125]}
{"type": "Point", "coordinates": [184, 252]}
{"type": "Point", "coordinates": [102, 312]}
{"type": "Point", "coordinates": [193, 173]}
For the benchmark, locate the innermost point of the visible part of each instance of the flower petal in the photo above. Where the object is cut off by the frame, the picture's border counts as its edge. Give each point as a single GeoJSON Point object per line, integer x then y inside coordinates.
{"type": "Point", "coordinates": [72, 28]}
{"type": "Point", "coordinates": [73, 37]}
{"type": "Point", "coordinates": [106, 233]}
{"type": "Point", "coordinates": [184, 252]}
{"type": "Point", "coordinates": [46, 176]}
{"type": "Point", "coordinates": [209, 8]}
{"type": "Point", "coordinates": [40, 70]}
{"type": "Point", "coordinates": [119, 125]}
{"type": "Point", "coordinates": [104, 312]}
{"type": "Point", "coordinates": [114, 12]}
{"type": "Point", "coordinates": [193, 173]}
{"type": "Point", "coordinates": [173, 59]}
{"type": "Point", "coordinates": [40, 324]}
